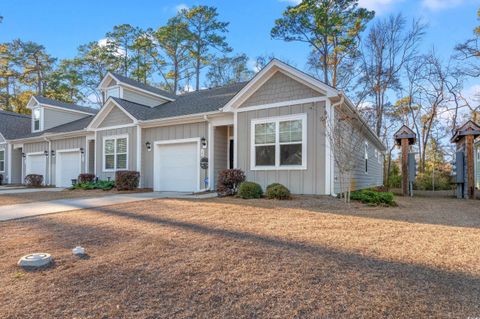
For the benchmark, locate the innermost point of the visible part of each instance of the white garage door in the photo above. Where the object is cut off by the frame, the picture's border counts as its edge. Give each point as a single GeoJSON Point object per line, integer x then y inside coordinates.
{"type": "Point", "coordinates": [177, 167]}
{"type": "Point", "coordinates": [67, 168]}
{"type": "Point", "coordinates": [36, 164]}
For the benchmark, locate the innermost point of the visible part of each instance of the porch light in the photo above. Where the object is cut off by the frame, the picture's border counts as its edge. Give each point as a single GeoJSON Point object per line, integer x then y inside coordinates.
{"type": "Point", "coordinates": [82, 151]}
{"type": "Point", "coordinates": [203, 142]}
{"type": "Point", "coordinates": [24, 155]}
{"type": "Point", "coordinates": [149, 146]}
{"type": "Point", "coordinates": [52, 153]}
{"type": "Point", "coordinates": [46, 153]}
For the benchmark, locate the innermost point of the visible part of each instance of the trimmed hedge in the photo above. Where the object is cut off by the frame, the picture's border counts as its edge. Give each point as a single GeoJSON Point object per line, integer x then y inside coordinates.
{"type": "Point", "coordinates": [373, 198]}
{"type": "Point", "coordinates": [248, 190]}
{"type": "Point", "coordinates": [34, 180]}
{"type": "Point", "coordinates": [229, 180]}
{"type": "Point", "coordinates": [277, 191]}
{"type": "Point", "coordinates": [86, 178]}
{"type": "Point", "coordinates": [126, 180]}
{"type": "Point", "coordinates": [103, 185]}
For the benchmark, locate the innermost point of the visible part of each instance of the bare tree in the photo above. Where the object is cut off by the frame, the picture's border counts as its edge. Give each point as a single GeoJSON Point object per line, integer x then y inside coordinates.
{"type": "Point", "coordinates": [387, 48]}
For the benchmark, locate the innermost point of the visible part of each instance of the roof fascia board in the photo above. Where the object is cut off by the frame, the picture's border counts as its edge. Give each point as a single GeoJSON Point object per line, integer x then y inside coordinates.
{"type": "Point", "coordinates": [184, 119]}
{"type": "Point", "coordinates": [42, 137]}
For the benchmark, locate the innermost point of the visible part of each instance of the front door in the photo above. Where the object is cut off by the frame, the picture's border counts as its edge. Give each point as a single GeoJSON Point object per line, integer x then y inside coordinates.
{"type": "Point", "coordinates": [230, 154]}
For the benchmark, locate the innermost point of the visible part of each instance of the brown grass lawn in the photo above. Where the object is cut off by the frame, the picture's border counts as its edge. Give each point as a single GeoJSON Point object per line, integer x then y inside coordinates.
{"type": "Point", "coordinates": [310, 257]}
{"type": "Point", "coordinates": [45, 195]}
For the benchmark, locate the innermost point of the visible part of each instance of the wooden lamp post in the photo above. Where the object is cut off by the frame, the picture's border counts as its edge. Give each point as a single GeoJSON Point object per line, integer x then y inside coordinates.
{"type": "Point", "coordinates": [464, 139]}
{"type": "Point", "coordinates": [405, 137]}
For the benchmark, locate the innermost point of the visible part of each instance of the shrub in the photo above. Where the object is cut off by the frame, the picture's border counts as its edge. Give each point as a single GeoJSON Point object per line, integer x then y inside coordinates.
{"type": "Point", "coordinates": [374, 198]}
{"type": "Point", "coordinates": [86, 178]}
{"type": "Point", "coordinates": [126, 180]}
{"type": "Point", "coordinates": [277, 191]}
{"type": "Point", "coordinates": [34, 180]}
{"type": "Point", "coordinates": [103, 185]}
{"type": "Point", "coordinates": [248, 190]}
{"type": "Point", "coordinates": [229, 180]}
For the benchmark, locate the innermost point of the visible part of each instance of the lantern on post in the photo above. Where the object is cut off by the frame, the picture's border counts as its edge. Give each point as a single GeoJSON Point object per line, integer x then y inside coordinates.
{"type": "Point", "coordinates": [404, 138]}
{"type": "Point", "coordinates": [465, 159]}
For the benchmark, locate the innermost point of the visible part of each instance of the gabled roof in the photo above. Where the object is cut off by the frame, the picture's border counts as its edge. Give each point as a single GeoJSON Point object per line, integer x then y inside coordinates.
{"type": "Point", "coordinates": [142, 86]}
{"type": "Point", "coordinates": [63, 105]}
{"type": "Point", "coordinates": [405, 132]}
{"type": "Point", "coordinates": [468, 128]}
{"type": "Point", "coordinates": [77, 125]}
{"type": "Point", "coordinates": [14, 125]}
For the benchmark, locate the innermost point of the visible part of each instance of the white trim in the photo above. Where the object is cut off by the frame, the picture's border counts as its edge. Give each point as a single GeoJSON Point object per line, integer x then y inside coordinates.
{"type": "Point", "coordinates": [177, 141]}
{"type": "Point", "coordinates": [182, 119]}
{"type": "Point", "coordinates": [35, 154]}
{"type": "Point", "coordinates": [211, 143]}
{"type": "Point", "coordinates": [103, 113]}
{"type": "Point", "coordinates": [139, 154]}
{"type": "Point", "coordinates": [114, 137]}
{"type": "Point", "coordinates": [40, 120]}
{"type": "Point", "coordinates": [95, 154]}
{"type": "Point", "coordinates": [114, 127]}
{"type": "Point", "coordinates": [277, 120]}
{"type": "Point", "coordinates": [9, 162]}
{"type": "Point", "coordinates": [4, 160]}
{"type": "Point", "coordinates": [58, 163]}
{"type": "Point", "coordinates": [283, 103]}
{"type": "Point", "coordinates": [235, 140]}
{"type": "Point", "coordinates": [328, 148]}
{"type": "Point", "coordinates": [332, 158]}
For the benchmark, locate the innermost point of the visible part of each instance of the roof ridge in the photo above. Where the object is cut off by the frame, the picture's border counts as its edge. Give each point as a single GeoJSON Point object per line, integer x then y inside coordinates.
{"type": "Point", "coordinates": [63, 102]}
{"type": "Point", "coordinates": [117, 98]}
{"type": "Point", "coordinates": [215, 87]}
{"type": "Point", "coordinates": [139, 84]}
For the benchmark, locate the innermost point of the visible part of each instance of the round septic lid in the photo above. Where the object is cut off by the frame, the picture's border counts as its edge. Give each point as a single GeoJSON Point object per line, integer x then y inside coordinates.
{"type": "Point", "coordinates": [35, 260]}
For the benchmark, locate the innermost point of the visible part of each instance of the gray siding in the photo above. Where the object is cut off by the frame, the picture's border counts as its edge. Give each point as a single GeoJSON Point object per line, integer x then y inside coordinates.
{"type": "Point", "coordinates": [279, 88]}
{"type": "Point", "coordinates": [5, 172]}
{"type": "Point", "coordinates": [308, 181]}
{"type": "Point", "coordinates": [140, 98]}
{"type": "Point", "coordinates": [132, 150]}
{"type": "Point", "coordinates": [116, 117]}
{"type": "Point", "coordinates": [164, 133]}
{"type": "Point", "coordinates": [16, 173]}
{"type": "Point", "coordinates": [54, 118]}
{"type": "Point", "coordinates": [65, 144]}
{"type": "Point", "coordinates": [220, 151]}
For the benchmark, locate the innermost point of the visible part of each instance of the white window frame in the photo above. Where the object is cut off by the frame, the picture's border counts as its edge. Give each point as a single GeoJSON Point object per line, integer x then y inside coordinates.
{"type": "Point", "coordinates": [115, 138]}
{"type": "Point", "coordinates": [277, 120]}
{"type": "Point", "coordinates": [40, 119]}
{"type": "Point", "coordinates": [366, 158]}
{"type": "Point", "coordinates": [4, 162]}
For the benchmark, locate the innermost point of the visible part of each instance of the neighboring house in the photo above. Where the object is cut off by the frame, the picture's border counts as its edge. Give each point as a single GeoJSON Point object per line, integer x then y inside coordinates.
{"type": "Point", "coordinates": [272, 127]}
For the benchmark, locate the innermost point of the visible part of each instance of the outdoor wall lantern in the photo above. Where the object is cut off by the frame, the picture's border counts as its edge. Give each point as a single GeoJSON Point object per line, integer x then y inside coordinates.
{"type": "Point", "coordinates": [149, 146]}
{"type": "Point", "coordinates": [46, 153]}
{"type": "Point", "coordinates": [82, 151]}
{"type": "Point", "coordinates": [24, 155]}
{"type": "Point", "coordinates": [203, 142]}
{"type": "Point", "coordinates": [52, 153]}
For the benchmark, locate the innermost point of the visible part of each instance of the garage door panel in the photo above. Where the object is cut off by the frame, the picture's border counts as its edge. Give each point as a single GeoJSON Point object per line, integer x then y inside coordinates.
{"type": "Point", "coordinates": [36, 164]}
{"type": "Point", "coordinates": [68, 167]}
{"type": "Point", "coordinates": [177, 167]}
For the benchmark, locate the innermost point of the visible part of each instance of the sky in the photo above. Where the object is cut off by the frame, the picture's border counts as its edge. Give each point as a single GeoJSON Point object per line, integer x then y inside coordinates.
{"type": "Point", "coordinates": [61, 26]}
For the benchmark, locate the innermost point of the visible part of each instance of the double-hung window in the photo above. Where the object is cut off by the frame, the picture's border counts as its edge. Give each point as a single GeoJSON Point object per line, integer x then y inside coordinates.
{"type": "Point", "coordinates": [2, 160]}
{"type": "Point", "coordinates": [115, 150]}
{"type": "Point", "coordinates": [366, 157]}
{"type": "Point", "coordinates": [36, 115]}
{"type": "Point", "coordinates": [279, 143]}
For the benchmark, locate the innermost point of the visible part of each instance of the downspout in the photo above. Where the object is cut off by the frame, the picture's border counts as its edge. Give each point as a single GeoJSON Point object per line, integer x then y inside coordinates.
{"type": "Point", "coordinates": [210, 154]}
{"type": "Point", "coordinates": [332, 165]}
{"type": "Point", "coordinates": [49, 160]}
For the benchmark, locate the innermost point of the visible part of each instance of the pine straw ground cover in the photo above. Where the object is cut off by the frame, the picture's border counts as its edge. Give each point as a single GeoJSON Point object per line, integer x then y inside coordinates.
{"type": "Point", "coordinates": [310, 257]}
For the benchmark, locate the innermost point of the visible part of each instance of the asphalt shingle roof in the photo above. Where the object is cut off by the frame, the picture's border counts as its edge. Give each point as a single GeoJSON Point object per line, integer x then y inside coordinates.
{"type": "Point", "coordinates": [14, 125]}
{"type": "Point", "coordinates": [202, 101]}
{"type": "Point", "coordinates": [44, 100]}
{"type": "Point", "coordinates": [143, 86]}
{"type": "Point", "coordinates": [76, 125]}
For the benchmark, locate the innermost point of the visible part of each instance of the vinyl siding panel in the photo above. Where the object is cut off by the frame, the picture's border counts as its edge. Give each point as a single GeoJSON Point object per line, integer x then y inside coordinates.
{"type": "Point", "coordinates": [17, 160]}
{"type": "Point", "coordinates": [131, 132]}
{"type": "Point", "coordinates": [308, 181]}
{"type": "Point", "coordinates": [279, 88]}
{"type": "Point", "coordinates": [140, 98]}
{"type": "Point", "coordinates": [174, 132]}
{"type": "Point", "coordinates": [220, 151]}
{"type": "Point", "coordinates": [53, 118]}
{"type": "Point", "coordinates": [115, 117]}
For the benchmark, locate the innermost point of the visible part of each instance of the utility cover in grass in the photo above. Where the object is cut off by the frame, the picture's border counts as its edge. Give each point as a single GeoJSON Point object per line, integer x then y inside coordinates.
{"type": "Point", "coordinates": [35, 260]}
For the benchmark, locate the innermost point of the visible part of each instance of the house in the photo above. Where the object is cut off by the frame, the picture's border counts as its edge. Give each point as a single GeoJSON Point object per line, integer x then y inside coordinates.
{"type": "Point", "coordinates": [273, 127]}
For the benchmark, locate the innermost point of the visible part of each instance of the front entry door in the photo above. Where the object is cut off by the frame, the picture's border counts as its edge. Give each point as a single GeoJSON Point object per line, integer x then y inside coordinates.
{"type": "Point", "coordinates": [230, 154]}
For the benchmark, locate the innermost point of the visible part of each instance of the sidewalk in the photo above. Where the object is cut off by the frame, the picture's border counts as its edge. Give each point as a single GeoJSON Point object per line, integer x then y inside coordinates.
{"type": "Point", "coordinates": [63, 205]}
{"type": "Point", "coordinates": [12, 190]}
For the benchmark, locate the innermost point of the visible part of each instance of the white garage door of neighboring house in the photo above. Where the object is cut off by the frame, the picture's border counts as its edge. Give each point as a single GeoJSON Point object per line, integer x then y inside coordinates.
{"type": "Point", "coordinates": [68, 167]}
{"type": "Point", "coordinates": [177, 167]}
{"type": "Point", "coordinates": [36, 164]}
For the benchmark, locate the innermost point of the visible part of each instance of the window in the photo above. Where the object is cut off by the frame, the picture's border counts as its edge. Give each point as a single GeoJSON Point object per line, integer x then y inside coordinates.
{"type": "Point", "coordinates": [115, 153]}
{"type": "Point", "coordinates": [113, 92]}
{"type": "Point", "coordinates": [366, 158]}
{"type": "Point", "coordinates": [2, 160]}
{"type": "Point", "coordinates": [279, 143]}
{"type": "Point", "coordinates": [36, 119]}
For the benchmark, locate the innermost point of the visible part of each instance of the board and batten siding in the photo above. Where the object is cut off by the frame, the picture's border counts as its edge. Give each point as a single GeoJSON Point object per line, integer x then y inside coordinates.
{"type": "Point", "coordinates": [67, 144]}
{"type": "Point", "coordinates": [115, 117]}
{"type": "Point", "coordinates": [140, 98]}
{"type": "Point", "coordinates": [220, 152]}
{"type": "Point", "coordinates": [165, 133]}
{"type": "Point", "coordinates": [360, 178]}
{"type": "Point", "coordinates": [131, 132]}
{"type": "Point", "coordinates": [304, 181]}
{"type": "Point", "coordinates": [53, 118]}
{"type": "Point", "coordinates": [280, 88]}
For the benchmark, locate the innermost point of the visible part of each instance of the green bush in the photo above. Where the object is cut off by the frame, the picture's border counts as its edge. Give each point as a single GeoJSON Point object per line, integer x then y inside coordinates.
{"type": "Point", "coordinates": [103, 185]}
{"type": "Point", "coordinates": [424, 181]}
{"type": "Point", "coordinates": [127, 180]}
{"type": "Point", "coordinates": [248, 190]}
{"type": "Point", "coordinates": [374, 198]}
{"type": "Point", "coordinates": [277, 191]}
